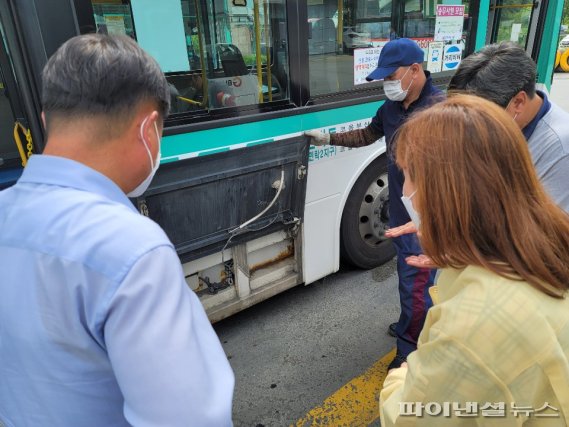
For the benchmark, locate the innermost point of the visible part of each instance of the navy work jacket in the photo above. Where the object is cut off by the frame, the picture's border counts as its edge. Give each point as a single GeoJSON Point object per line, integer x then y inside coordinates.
{"type": "Point", "coordinates": [388, 119]}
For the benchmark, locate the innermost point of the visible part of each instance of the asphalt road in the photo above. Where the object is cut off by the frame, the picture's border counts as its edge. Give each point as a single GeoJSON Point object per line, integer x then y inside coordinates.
{"type": "Point", "coordinates": [291, 352]}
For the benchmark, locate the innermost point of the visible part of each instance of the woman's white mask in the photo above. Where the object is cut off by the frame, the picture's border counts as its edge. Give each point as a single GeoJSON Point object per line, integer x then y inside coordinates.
{"type": "Point", "coordinates": [411, 210]}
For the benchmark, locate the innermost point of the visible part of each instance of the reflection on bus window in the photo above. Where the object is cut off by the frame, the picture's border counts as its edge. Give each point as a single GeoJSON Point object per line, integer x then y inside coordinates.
{"type": "Point", "coordinates": [513, 20]}
{"type": "Point", "coordinates": [113, 17]}
{"type": "Point", "coordinates": [215, 54]}
{"type": "Point", "coordinates": [346, 37]}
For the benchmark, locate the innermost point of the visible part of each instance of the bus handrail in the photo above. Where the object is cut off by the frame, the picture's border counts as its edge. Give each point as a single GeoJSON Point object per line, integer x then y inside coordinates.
{"type": "Point", "coordinates": [268, 47]}
{"type": "Point", "coordinates": [204, 102]}
{"type": "Point", "coordinates": [189, 101]}
{"type": "Point", "coordinates": [29, 143]}
{"type": "Point", "coordinates": [512, 6]}
{"type": "Point", "coordinates": [257, 25]}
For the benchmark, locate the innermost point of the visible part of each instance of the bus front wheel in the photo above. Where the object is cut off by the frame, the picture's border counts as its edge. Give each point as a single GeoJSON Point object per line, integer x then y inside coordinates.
{"type": "Point", "coordinates": [365, 219]}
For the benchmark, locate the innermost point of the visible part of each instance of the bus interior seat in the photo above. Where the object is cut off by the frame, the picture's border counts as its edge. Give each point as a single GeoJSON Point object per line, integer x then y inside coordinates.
{"type": "Point", "coordinates": [232, 60]}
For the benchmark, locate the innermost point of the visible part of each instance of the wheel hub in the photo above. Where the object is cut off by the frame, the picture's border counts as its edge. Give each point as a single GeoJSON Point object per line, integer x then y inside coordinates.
{"type": "Point", "coordinates": [374, 212]}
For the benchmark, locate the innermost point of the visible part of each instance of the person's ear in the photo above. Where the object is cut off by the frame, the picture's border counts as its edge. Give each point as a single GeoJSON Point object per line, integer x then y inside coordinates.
{"type": "Point", "coordinates": [519, 102]}
{"type": "Point", "coordinates": [148, 130]}
{"type": "Point", "coordinates": [149, 126]}
{"type": "Point", "coordinates": [416, 69]}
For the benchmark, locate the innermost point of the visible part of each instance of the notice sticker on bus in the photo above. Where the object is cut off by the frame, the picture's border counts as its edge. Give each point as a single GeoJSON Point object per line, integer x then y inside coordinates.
{"type": "Point", "coordinates": [452, 57]}
{"type": "Point", "coordinates": [449, 23]}
{"type": "Point", "coordinates": [515, 34]}
{"type": "Point", "coordinates": [115, 25]}
{"type": "Point", "coordinates": [365, 61]}
{"type": "Point", "coordinates": [435, 57]}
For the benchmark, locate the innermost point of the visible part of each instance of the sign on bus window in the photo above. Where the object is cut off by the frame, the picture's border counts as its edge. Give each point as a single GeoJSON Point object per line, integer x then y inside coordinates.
{"type": "Point", "coordinates": [160, 31]}
{"type": "Point", "coordinates": [346, 36]}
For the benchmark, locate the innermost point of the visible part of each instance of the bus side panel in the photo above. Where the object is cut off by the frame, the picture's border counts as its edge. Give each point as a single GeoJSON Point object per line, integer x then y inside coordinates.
{"type": "Point", "coordinates": [329, 184]}
{"type": "Point", "coordinates": [201, 202]}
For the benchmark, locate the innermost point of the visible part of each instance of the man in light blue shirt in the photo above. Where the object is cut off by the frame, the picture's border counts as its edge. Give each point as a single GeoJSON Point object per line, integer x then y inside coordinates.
{"type": "Point", "coordinates": [97, 325]}
{"type": "Point", "coordinates": [505, 74]}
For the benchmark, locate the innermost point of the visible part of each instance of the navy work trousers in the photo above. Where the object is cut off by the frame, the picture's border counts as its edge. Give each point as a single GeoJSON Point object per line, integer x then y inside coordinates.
{"type": "Point", "coordinates": [414, 284]}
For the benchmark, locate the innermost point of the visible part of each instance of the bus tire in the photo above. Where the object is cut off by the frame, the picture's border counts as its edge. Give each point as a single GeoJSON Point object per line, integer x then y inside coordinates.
{"type": "Point", "coordinates": [365, 219]}
{"type": "Point", "coordinates": [564, 61]}
{"type": "Point", "coordinates": [557, 60]}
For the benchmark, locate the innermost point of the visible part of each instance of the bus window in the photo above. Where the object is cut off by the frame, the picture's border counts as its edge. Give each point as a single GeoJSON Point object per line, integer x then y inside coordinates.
{"type": "Point", "coordinates": [340, 33]}
{"type": "Point", "coordinates": [113, 17]}
{"type": "Point", "coordinates": [438, 26]}
{"type": "Point", "coordinates": [215, 54]}
{"type": "Point", "coordinates": [346, 37]}
{"type": "Point", "coordinates": [511, 21]}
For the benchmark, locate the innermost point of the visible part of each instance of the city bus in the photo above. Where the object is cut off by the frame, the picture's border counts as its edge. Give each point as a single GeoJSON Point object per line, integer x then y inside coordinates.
{"type": "Point", "coordinates": [250, 206]}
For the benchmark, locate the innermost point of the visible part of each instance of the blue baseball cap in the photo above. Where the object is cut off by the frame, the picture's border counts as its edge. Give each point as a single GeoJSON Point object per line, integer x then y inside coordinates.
{"type": "Point", "coordinates": [396, 53]}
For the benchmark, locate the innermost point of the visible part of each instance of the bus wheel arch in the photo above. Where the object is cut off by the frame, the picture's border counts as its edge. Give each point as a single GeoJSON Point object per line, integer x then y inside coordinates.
{"type": "Point", "coordinates": [365, 218]}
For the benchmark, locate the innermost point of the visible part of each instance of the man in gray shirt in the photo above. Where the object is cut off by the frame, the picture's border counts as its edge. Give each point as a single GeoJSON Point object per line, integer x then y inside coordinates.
{"type": "Point", "coordinates": [505, 74]}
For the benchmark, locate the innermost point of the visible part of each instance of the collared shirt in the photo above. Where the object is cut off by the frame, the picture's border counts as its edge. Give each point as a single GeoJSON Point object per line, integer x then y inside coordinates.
{"type": "Point", "coordinates": [97, 325]}
{"type": "Point", "coordinates": [488, 341]}
{"type": "Point", "coordinates": [529, 129]}
{"type": "Point", "coordinates": [388, 119]}
{"type": "Point", "coordinates": [548, 143]}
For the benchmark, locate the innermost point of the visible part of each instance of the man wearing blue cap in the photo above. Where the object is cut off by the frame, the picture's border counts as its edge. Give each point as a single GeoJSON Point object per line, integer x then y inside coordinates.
{"type": "Point", "coordinates": [408, 88]}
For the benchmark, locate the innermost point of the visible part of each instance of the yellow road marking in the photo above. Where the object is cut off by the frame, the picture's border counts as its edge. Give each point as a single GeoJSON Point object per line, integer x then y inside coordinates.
{"type": "Point", "coordinates": [354, 404]}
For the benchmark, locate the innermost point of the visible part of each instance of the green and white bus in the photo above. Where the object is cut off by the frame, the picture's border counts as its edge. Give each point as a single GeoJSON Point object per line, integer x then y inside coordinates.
{"type": "Point", "coordinates": [252, 208]}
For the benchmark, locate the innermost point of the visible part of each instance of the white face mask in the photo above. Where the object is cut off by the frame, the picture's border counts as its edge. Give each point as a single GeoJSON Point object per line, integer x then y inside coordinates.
{"type": "Point", "coordinates": [411, 210]}
{"type": "Point", "coordinates": [154, 164]}
{"type": "Point", "coordinates": [393, 89]}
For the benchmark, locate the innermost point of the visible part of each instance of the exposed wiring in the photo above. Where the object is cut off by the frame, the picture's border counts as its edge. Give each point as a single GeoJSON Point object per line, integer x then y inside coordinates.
{"type": "Point", "coordinates": [225, 247]}
{"type": "Point", "coordinates": [246, 223]}
{"type": "Point", "coordinates": [241, 229]}
{"type": "Point", "coordinates": [264, 226]}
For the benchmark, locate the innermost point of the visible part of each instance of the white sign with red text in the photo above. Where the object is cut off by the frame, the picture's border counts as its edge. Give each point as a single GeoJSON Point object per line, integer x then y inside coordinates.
{"type": "Point", "coordinates": [365, 61]}
{"type": "Point", "coordinates": [449, 23]}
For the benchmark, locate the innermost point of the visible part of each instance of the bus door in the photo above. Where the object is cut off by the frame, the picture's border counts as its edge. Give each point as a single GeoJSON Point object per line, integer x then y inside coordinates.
{"type": "Point", "coordinates": [526, 22]}
{"type": "Point", "coordinates": [11, 157]}
{"type": "Point", "coordinates": [16, 140]}
{"type": "Point", "coordinates": [513, 20]}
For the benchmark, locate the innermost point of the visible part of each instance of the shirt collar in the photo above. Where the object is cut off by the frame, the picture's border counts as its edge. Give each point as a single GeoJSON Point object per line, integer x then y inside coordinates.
{"type": "Point", "coordinates": [63, 172]}
{"type": "Point", "coordinates": [425, 92]}
{"type": "Point", "coordinates": [529, 129]}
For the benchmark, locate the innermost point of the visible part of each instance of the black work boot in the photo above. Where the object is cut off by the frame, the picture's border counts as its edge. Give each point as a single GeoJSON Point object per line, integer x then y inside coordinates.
{"type": "Point", "coordinates": [397, 361]}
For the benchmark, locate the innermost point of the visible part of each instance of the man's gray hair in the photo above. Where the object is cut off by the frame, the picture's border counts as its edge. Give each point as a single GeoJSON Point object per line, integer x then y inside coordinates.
{"type": "Point", "coordinates": [101, 75]}
{"type": "Point", "coordinates": [497, 72]}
